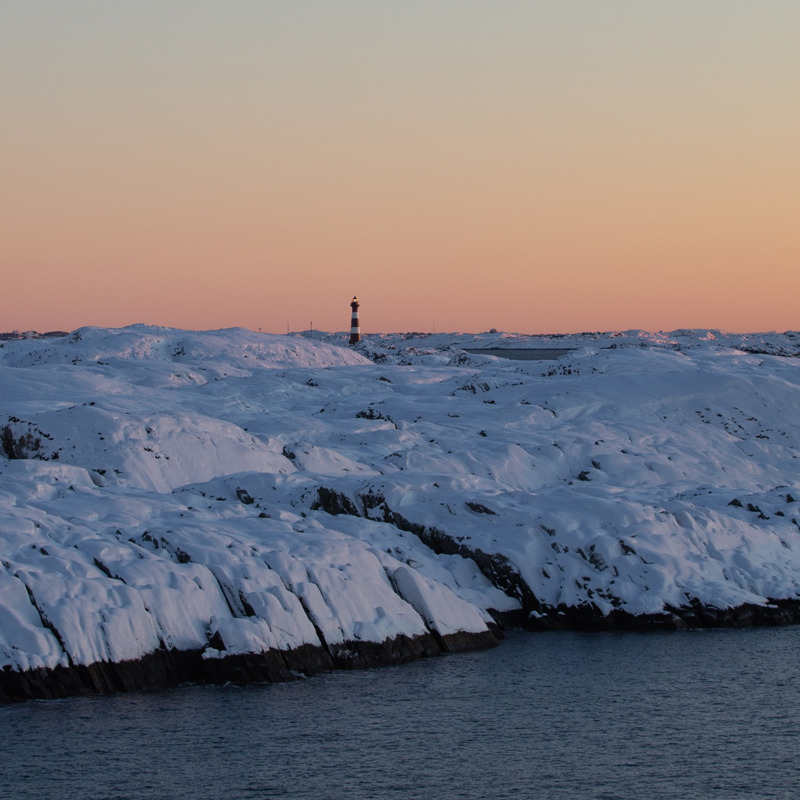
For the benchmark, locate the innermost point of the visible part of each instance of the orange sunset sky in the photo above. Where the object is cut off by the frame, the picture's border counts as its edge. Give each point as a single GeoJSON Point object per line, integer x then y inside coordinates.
{"type": "Point", "coordinates": [537, 167]}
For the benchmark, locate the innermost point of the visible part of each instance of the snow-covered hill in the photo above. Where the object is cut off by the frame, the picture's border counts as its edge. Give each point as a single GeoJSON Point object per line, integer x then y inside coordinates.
{"type": "Point", "coordinates": [232, 505]}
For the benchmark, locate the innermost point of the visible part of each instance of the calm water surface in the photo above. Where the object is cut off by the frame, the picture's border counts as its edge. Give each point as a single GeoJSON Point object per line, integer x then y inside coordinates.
{"type": "Point", "coordinates": [711, 714]}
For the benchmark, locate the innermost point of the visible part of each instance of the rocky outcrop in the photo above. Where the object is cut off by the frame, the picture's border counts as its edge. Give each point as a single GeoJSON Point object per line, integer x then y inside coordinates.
{"type": "Point", "coordinates": [168, 668]}
{"type": "Point", "coordinates": [535, 615]}
{"type": "Point", "coordinates": [495, 566]}
{"type": "Point", "coordinates": [690, 617]}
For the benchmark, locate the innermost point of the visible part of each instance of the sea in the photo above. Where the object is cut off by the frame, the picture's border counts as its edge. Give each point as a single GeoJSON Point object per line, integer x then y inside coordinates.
{"type": "Point", "coordinates": [562, 715]}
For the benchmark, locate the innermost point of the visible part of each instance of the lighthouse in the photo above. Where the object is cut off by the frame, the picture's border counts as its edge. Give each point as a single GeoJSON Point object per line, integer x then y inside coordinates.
{"type": "Point", "coordinates": [355, 331]}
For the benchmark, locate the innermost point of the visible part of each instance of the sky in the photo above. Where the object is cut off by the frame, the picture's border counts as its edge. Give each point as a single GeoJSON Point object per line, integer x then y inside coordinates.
{"type": "Point", "coordinates": [532, 166]}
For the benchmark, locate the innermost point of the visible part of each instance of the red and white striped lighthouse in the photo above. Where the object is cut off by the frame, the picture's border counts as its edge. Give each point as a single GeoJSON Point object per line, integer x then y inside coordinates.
{"type": "Point", "coordinates": [355, 331]}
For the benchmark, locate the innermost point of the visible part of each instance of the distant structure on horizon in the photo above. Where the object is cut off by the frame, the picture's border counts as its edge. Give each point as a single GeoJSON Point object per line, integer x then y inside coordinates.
{"type": "Point", "coordinates": [355, 331]}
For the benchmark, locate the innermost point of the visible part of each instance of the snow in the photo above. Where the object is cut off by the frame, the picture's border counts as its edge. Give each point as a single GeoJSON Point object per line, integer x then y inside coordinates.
{"type": "Point", "coordinates": [165, 489]}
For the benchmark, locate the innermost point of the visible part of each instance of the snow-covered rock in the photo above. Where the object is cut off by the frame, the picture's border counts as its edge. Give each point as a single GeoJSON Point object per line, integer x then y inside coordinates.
{"type": "Point", "coordinates": [227, 503]}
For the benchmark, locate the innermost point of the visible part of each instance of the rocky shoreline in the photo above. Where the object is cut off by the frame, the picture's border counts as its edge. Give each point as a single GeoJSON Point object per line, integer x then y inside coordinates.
{"type": "Point", "coordinates": [171, 668]}
{"type": "Point", "coordinates": [691, 617]}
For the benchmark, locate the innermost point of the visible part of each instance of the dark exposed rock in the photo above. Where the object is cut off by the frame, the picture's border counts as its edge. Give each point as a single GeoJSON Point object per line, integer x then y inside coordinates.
{"type": "Point", "coordinates": [7, 443]}
{"type": "Point", "coordinates": [466, 640]}
{"type": "Point", "coordinates": [479, 508]}
{"type": "Point", "coordinates": [334, 503]}
{"type": "Point", "coordinates": [372, 414]}
{"type": "Point", "coordinates": [588, 617]}
{"type": "Point", "coordinates": [166, 668]}
{"type": "Point", "coordinates": [162, 668]}
{"type": "Point", "coordinates": [778, 612]}
{"type": "Point", "coordinates": [400, 649]}
{"type": "Point", "coordinates": [694, 615]}
{"type": "Point", "coordinates": [244, 497]}
{"type": "Point", "coordinates": [26, 445]}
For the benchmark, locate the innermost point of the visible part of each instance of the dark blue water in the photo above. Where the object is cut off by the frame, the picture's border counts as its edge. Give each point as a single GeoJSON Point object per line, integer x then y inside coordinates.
{"type": "Point", "coordinates": [711, 714]}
